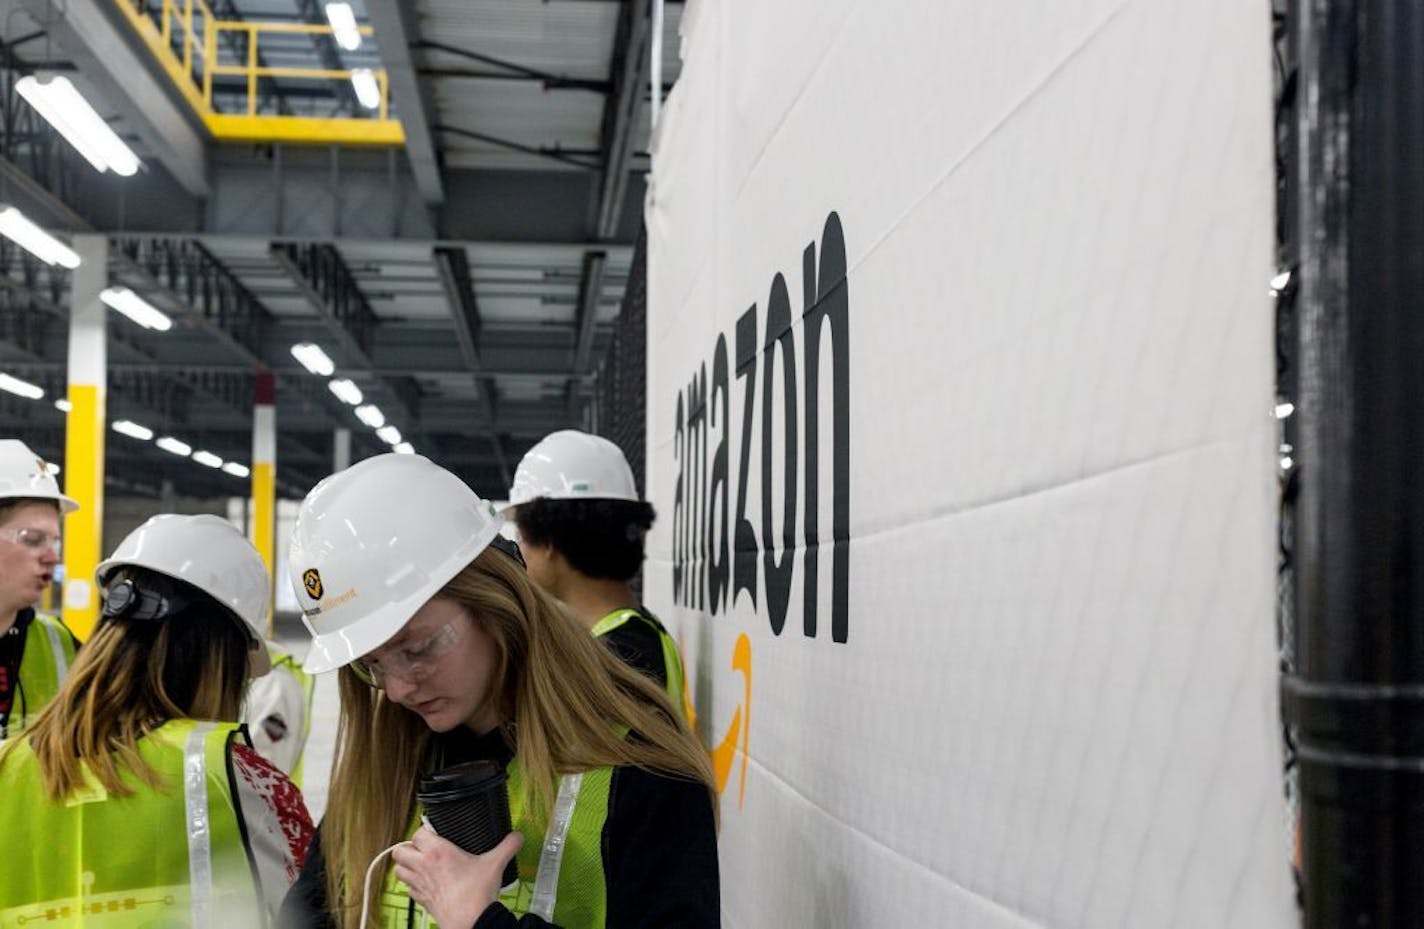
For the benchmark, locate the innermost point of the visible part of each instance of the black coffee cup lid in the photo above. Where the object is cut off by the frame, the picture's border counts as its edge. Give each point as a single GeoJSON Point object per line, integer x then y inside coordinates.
{"type": "Point", "coordinates": [460, 780]}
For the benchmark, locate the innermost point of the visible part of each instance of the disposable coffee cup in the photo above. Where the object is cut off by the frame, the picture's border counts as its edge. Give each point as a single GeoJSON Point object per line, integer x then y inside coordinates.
{"type": "Point", "coordinates": [468, 804]}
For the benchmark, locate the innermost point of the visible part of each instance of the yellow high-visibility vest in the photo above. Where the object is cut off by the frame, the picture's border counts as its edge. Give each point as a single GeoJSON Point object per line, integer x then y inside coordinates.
{"type": "Point", "coordinates": [175, 856]}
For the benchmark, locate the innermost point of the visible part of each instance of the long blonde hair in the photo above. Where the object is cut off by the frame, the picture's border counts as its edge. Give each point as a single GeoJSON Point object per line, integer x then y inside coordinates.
{"type": "Point", "coordinates": [130, 677]}
{"type": "Point", "coordinates": [560, 694]}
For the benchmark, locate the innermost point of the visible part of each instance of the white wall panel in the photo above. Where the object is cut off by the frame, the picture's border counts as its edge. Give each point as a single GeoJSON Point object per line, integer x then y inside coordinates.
{"type": "Point", "coordinates": [1052, 701]}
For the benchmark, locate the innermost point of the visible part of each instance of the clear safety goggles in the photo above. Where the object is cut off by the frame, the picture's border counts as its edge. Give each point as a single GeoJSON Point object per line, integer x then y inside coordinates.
{"type": "Point", "coordinates": [33, 539]}
{"type": "Point", "coordinates": [413, 662]}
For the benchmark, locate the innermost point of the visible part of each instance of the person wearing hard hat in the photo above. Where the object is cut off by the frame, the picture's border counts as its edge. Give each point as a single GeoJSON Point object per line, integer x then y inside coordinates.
{"type": "Point", "coordinates": [277, 711]}
{"type": "Point", "coordinates": [35, 650]}
{"type": "Point", "coordinates": [581, 526]}
{"type": "Point", "coordinates": [135, 791]}
{"type": "Point", "coordinates": [448, 653]}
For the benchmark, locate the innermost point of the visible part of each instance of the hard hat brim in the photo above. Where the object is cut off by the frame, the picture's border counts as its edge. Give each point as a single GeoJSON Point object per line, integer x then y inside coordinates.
{"type": "Point", "coordinates": [67, 505]}
{"type": "Point", "coordinates": [332, 650]}
{"type": "Point", "coordinates": [259, 662]}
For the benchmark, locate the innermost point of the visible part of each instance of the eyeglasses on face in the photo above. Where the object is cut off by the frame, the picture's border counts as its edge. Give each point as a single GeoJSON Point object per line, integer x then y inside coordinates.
{"type": "Point", "coordinates": [33, 539]}
{"type": "Point", "coordinates": [412, 662]}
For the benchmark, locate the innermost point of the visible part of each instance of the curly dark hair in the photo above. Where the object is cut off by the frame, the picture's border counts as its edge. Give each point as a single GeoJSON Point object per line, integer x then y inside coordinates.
{"type": "Point", "coordinates": [600, 538]}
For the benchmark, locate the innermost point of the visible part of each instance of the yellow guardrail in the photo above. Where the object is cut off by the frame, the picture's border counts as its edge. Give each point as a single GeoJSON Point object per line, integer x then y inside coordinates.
{"type": "Point", "coordinates": [185, 38]}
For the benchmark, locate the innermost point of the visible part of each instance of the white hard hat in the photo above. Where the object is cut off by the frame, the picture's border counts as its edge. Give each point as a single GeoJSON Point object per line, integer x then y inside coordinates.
{"type": "Point", "coordinates": [373, 543]}
{"type": "Point", "coordinates": [569, 464]}
{"type": "Point", "coordinates": [207, 552]}
{"type": "Point", "coordinates": [23, 474]}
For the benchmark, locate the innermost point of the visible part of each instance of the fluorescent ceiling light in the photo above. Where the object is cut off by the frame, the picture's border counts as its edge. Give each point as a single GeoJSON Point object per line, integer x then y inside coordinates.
{"type": "Point", "coordinates": [64, 108]}
{"type": "Point", "coordinates": [136, 308]}
{"type": "Point", "coordinates": [24, 388]}
{"type": "Point", "coordinates": [133, 430]}
{"type": "Point", "coordinates": [63, 405]}
{"type": "Point", "coordinates": [405, 448]}
{"type": "Point", "coordinates": [16, 227]}
{"type": "Point", "coordinates": [235, 469]}
{"type": "Point", "coordinates": [346, 390]}
{"type": "Point", "coordinates": [208, 459]}
{"type": "Point", "coordinates": [368, 92]}
{"type": "Point", "coordinates": [371, 415]}
{"type": "Point", "coordinates": [170, 444]}
{"type": "Point", "coordinates": [343, 25]}
{"type": "Point", "coordinates": [314, 359]}
{"type": "Point", "coordinates": [390, 435]}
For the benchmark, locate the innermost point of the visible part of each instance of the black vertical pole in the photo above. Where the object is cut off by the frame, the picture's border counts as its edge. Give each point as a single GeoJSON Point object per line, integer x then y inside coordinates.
{"type": "Point", "coordinates": [1358, 696]}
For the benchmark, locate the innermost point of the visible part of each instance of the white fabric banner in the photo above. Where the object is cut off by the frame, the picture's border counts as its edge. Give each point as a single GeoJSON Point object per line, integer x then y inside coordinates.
{"type": "Point", "coordinates": [960, 433]}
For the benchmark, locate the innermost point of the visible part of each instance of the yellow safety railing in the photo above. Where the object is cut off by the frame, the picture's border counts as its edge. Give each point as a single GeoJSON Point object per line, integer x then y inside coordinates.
{"type": "Point", "coordinates": [186, 39]}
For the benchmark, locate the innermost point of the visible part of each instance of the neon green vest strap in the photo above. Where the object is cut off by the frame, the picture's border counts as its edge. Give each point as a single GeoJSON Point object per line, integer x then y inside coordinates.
{"type": "Point", "coordinates": [171, 857]}
{"type": "Point", "coordinates": [561, 875]}
{"type": "Point", "coordinates": [49, 651]}
{"type": "Point", "coordinates": [672, 661]}
{"type": "Point", "coordinates": [286, 664]}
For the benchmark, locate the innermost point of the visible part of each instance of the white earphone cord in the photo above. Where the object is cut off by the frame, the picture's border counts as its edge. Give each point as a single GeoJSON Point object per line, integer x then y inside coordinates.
{"type": "Point", "coordinates": [366, 888]}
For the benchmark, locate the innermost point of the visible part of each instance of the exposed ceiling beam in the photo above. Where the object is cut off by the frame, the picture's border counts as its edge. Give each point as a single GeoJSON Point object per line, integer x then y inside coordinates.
{"type": "Point", "coordinates": [396, 28]}
{"type": "Point", "coordinates": [130, 81]}
{"type": "Point", "coordinates": [322, 277]}
{"type": "Point", "coordinates": [454, 268]}
{"type": "Point", "coordinates": [629, 75]}
{"type": "Point", "coordinates": [586, 314]}
{"type": "Point", "coordinates": [590, 290]}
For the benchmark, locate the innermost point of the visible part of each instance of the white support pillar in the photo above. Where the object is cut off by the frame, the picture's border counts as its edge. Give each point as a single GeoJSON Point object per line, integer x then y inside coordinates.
{"type": "Point", "coordinates": [341, 449]}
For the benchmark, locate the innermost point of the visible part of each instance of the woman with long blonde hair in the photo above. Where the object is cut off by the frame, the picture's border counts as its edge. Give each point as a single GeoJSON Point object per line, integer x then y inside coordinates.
{"type": "Point", "coordinates": [135, 791]}
{"type": "Point", "coordinates": [450, 654]}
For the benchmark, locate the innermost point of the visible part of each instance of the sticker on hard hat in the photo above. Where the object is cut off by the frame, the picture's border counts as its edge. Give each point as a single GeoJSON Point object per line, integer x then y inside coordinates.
{"type": "Point", "coordinates": [311, 580]}
{"type": "Point", "coordinates": [331, 602]}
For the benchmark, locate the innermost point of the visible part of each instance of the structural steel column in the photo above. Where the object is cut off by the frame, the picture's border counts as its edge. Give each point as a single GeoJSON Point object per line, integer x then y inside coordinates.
{"type": "Point", "coordinates": [84, 433]}
{"type": "Point", "coordinates": [264, 477]}
{"type": "Point", "coordinates": [1358, 699]}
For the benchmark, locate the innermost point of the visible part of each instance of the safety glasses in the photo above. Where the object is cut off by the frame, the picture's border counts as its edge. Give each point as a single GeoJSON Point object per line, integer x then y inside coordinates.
{"type": "Point", "coordinates": [412, 662]}
{"type": "Point", "coordinates": [33, 539]}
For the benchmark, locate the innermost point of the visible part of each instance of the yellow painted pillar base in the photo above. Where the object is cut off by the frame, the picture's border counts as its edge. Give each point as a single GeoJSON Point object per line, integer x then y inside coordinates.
{"type": "Point", "coordinates": [264, 480]}
{"type": "Point", "coordinates": [84, 434]}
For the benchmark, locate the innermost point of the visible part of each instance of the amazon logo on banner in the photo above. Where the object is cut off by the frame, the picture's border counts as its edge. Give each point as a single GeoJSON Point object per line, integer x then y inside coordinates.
{"type": "Point", "coordinates": [720, 549]}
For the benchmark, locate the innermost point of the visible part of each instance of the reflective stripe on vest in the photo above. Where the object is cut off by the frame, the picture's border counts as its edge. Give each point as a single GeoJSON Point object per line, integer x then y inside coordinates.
{"type": "Point", "coordinates": [49, 650]}
{"type": "Point", "coordinates": [562, 874]}
{"type": "Point", "coordinates": [551, 855]}
{"type": "Point", "coordinates": [157, 857]}
{"type": "Point", "coordinates": [195, 805]}
{"type": "Point", "coordinates": [672, 661]}
{"type": "Point", "coordinates": [56, 650]}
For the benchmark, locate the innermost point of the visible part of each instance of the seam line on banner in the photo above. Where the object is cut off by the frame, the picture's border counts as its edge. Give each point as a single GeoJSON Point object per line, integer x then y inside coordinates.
{"type": "Point", "coordinates": [1023, 919]}
{"type": "Point", "coordinates": [974, 147]}
{"type": "Point", "coordinates": [810, 79]}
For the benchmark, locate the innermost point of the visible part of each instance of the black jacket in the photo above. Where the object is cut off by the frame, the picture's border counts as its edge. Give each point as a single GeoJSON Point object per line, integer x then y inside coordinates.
{"type": "Point", "coordinates": [640, 645]}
